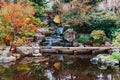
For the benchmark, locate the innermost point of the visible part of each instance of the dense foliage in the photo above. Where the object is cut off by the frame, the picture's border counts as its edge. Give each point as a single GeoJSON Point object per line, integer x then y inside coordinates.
{"type": "Point", "coordinates": [18, 19]}
{"type": "Point", "coordinates": [77, 15]}
{"type": "Point", "coordinates": [40, 6]}
{"type": "Point", "coordinates": [83, 39]}
{"type": "Point", "coordinates": [114, 57]}
{"type": "Point", "coordinates": [104, 20]}
{"type": "Point", "coordinates": [116, 40]}
{"type": "Point", "coordinates": [98, 36]}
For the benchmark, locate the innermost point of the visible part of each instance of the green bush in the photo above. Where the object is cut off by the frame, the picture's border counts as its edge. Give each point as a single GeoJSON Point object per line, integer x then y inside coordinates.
{"type": "Point", "coordinates": [116, 40]}
{"type": "Point", "coordinates": [114, 57]}
{"type": "Point", "coordinates": [104, 20]}
{"type": "Point", "coordinates": [83, 39]}
{"type": "Point", "coordinates": [40, 6]}
{"type": "Point", "coordinates": [98, 36]}
{"type": "Point", "coordinates": [118, 23]}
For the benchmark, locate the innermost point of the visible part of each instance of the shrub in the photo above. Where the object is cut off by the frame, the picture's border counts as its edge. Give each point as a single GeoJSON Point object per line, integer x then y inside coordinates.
{"type": "Point", "coordinates": [115, 56]}
{"type": "Point", "coordinates": [116, 40]}
{"type": "Point", "coordinates": [83, 39]}
{"type": "Point", "coordinates": [118, 23]}
{"type": "Point", "coordinates": [98, 36]}
{"type": "Point", "coordinates": [39, 6]}
{"type": "Point", "coordinates": [104, 20]}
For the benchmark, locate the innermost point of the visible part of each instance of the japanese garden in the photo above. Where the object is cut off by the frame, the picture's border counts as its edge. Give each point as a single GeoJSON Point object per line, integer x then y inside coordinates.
{"type": "Point", "coordinates": [59, 39]}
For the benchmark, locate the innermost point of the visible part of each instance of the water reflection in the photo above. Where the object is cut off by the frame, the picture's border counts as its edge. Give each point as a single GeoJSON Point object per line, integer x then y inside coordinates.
{"type": "Point", "coordinates": [102, 65]}
{"type": "Point", "coordinates": [68, 69]}
{"type": "Point", "coordinates": [5, 73]}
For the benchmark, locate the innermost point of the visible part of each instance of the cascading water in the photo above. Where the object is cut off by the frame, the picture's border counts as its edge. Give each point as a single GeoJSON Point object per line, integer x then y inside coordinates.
{"type": "Point", "coordinates": [54, 39]}
{"type": "Point", "coordinates": [61, 37]}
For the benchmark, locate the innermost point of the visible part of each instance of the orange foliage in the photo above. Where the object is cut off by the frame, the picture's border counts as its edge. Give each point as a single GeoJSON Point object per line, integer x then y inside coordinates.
{"type": "Point", "coordinates": [16, 13]}
{"type": "Point", "coordinates": [32, 29]}
{"type": "Point", "coordinates": [8, 39]}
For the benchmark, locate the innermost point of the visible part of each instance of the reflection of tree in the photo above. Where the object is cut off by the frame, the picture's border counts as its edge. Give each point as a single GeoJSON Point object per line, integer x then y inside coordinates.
{"type": "Point", "coordinates": [71, 71]}
{"type": "Point", "coordinates": [22, 69]}
{"type": "Point", "coordinates": [29, 71]}
{"type": "Point", "coordinates": [5, 73]}
{"type": "Point", "coordinates": [37, 71]}
{"type": "Point", "coordinates": [114, 71]}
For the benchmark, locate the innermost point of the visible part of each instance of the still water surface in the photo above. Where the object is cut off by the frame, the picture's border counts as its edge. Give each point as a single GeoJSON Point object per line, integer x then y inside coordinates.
{"type": "Point", "coordinates": [54, 69]}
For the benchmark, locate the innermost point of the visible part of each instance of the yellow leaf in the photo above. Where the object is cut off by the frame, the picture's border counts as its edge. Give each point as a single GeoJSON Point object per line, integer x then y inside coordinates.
{"type": "Point", "coordinates": [57, 19]}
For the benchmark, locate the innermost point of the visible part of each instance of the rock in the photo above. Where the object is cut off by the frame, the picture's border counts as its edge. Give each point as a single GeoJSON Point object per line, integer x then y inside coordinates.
{"type": "Point", "coordinates": [70, 35]}
{"type": "Point", "coordinates": [44, 31]}
{"type": "Point", "coordinates": [8, 59]}
{"type": "Point", "coordinates": [1, 59]}
{"type": "Point", "coordinates": [37, 55]}
{"type": "Point", "coordinates": [112, 63]}
{"type": "Point", "coordinates": [6, 51]}
{"type": "Point", "coordinates": [27, 60]}
{"type": "Point", "coordinates": [95, 60]}
{"type": "Point", "coordinates": [24, 50]}
{"type": "Point", "coordinates": [108, 44]}
{"type": "Point", "coordinates": [39, 37]}
{"type": "Point", "coordinates": [36, 51]}
{"type": "Point", "coordinates": [16, 55]}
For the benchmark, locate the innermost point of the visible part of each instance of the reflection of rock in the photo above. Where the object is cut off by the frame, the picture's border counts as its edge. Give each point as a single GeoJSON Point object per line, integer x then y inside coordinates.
{"type": "Point", "coordinates": [70, 35]}
{"type": "Point", "coordinates": [7, 59]}
{"type": "Point", "coordinates": [7, 65]}
{"type": "Point", "coordinates": [49, 75]}
{"type": "Point", "coordinates": [27, 60]}
{"type": "Point", "coordinates": [60, 58]}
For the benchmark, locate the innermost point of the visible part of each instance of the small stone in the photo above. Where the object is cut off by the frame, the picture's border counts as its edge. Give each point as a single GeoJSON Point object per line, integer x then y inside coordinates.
{"type": "Point", "coordinates": [37, 55]}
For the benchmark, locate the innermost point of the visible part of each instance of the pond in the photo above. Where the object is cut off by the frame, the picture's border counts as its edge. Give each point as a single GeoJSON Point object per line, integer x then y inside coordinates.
{"type": "Point", "coordinates": [68, 68]}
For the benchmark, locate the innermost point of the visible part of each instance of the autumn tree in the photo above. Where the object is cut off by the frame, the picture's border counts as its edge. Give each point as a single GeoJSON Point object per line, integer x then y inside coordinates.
{"type": "Point", "coordinates": [16, 14]}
